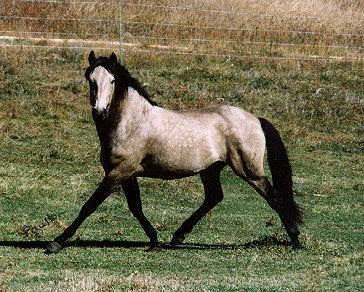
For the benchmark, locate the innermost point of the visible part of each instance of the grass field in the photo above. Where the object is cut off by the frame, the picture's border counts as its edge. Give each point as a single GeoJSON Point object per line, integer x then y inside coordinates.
{"type": "Point", "coordinates": [49, 167]}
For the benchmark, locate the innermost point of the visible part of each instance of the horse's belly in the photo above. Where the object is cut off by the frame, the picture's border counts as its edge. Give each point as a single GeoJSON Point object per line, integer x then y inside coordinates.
{"type": "Point", "coordinates": [178, 163]}
{"type": "Point", "coordinates": [168, 174]}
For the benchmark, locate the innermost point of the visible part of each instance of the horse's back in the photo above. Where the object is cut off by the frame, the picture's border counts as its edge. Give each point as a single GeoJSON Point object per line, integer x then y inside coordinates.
{"type": "Point", "coordinates": [236, 123]}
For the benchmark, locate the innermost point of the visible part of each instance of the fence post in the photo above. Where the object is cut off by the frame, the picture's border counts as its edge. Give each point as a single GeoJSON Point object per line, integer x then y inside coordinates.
{"type": "Point", "coordinates": [121, 32]}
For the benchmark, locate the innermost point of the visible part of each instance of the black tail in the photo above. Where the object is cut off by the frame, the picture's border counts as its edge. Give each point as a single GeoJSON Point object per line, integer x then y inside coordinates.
{"type": "Point", "coordinates": [281, 171]}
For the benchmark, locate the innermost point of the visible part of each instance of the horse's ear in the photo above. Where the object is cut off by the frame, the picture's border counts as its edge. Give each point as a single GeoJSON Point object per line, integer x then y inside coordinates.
{"type": "Point", "coordinates": [113, 59]}
{"type": "Point", "coordinates": [92, 58]}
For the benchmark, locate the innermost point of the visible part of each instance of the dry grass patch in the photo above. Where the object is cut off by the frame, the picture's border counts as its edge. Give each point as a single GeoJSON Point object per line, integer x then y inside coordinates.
{"type": "Point", "coordinates": [282, 28]}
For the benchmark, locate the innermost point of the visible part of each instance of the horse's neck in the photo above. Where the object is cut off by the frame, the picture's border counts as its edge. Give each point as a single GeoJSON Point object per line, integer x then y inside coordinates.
{"type": "Point", "coordinates": [133, 107]}
{"type": "Point", "coordinates": [124, 118]}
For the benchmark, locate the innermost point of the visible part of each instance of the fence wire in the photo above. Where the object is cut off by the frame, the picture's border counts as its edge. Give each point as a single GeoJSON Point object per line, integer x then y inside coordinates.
{"type": "Point", "coordinates": [177, 53]}
{"type": "Point", "coordinates": [222, 28]}
{"type": "Point", "coordinates": [143, 37]}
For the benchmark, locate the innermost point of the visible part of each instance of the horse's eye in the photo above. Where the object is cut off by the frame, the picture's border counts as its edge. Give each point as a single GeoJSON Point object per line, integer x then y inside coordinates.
{"type": "Point", "coordinates": [113, 81]}
{"type": "Point", "coordinates": [93, 90]}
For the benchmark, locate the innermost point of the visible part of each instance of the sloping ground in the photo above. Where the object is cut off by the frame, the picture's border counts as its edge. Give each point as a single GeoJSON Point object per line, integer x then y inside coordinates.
{"type": "Point", "coordinates": [49, 167]}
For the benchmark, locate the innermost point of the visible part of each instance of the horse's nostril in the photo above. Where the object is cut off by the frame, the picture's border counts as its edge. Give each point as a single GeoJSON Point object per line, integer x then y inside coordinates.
{"type": "Point", "coordinates": [104, 113]}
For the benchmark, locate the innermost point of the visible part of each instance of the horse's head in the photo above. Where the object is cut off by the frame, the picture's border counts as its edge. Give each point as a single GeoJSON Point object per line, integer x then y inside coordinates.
{"type": "Point", "coordinates": [101, 77]}
{"type": "Point", "coordinates": [109, 82]}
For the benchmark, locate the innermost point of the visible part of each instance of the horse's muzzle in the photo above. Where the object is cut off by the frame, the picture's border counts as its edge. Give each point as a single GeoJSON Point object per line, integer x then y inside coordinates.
{"type": "Point", "coordinates": [102, 113]}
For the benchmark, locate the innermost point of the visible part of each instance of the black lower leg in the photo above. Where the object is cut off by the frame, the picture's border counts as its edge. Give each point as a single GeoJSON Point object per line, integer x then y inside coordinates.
{"type": "Point", "coordinates": [292, 231]}
{"type": "Point", "coordinates": [281, 206]}
{"type": "Point", "coordinates": [213, 195]}
{"type": "Point", "coordinates": [132, 194]}
{"type": "Point", "coordinates": [86, 210]}
{"type": "Point", "coordinates": [101, 193]}
{"type": "Point", "coordinates": [283, 211]}
{"type": "Point", "coordinates": [188, 225]}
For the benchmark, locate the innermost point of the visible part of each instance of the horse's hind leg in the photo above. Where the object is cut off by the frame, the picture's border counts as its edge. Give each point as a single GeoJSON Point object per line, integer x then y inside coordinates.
{"type": "Point", "coordinates": [280, 204]}
{"type": "Point", "coordinates": [213, 195]}
{"type": "Point", "coordinates": [102, 192]}
{"type": "Point", "coordinates": [132, 194]}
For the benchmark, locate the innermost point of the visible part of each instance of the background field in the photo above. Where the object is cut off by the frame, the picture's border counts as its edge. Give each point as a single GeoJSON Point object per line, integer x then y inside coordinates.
{"type": "Point", "coordinates": [49, 148]}
{"type": "Point", "coordinates": [281, 29]}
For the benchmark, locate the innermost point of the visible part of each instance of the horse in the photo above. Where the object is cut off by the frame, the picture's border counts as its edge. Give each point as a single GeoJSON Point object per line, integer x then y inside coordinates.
{"type": "Point", "coordinates": [140, 139]}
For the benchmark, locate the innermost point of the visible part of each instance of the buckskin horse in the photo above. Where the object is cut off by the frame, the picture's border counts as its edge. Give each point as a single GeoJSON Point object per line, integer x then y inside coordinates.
{"type": "Point", "coordinates": [140, 139]}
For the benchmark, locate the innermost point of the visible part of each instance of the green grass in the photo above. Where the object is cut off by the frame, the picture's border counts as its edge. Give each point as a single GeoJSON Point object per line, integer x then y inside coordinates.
{"type": "Point", "coordinates": [49, 166]}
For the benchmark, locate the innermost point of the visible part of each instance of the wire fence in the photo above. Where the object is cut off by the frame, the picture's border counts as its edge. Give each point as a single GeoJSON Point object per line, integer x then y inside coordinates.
{"type": "Point", "coordinates": [183, 29]}
{"type": "Point", "coordinates": [178, 25]}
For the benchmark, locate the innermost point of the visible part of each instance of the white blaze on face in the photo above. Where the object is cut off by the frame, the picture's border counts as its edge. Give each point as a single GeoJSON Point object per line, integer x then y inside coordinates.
{"type": "Point", "coordinates": [105, 82]}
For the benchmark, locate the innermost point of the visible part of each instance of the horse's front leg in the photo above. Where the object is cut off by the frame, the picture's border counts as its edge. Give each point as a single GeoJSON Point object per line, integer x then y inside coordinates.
{"type": "Point", "coordinates": [105, 188]}
{"type": "Point", "coordinates": [132, 194]}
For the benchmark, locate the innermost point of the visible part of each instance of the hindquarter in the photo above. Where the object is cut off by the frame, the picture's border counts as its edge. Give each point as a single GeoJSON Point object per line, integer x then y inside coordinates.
{"type": "Point", "coordinates": [245, 143]}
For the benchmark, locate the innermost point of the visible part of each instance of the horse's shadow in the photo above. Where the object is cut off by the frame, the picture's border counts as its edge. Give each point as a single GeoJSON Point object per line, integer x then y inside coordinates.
{"type": "Point", "coordinates": [266, 241]}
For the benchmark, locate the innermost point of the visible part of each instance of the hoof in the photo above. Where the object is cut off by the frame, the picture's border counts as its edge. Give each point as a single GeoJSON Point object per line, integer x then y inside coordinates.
{"type": "Point", "coordinates": [53, 247]}
{"type": "Point", "coordinates": [297, 245]}
{"type": "Point", "coordinates": [177, 240]}
{"type": "Point", "coordinates": [155, 248]}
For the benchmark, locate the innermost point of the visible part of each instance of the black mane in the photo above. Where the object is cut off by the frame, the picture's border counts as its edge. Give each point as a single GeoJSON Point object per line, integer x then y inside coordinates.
{"type": "Point", "coordinates": [122, 77]}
